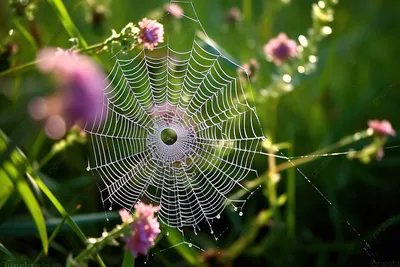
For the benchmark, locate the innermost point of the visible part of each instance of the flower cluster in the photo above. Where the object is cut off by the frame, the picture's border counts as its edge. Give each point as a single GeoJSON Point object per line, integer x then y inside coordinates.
{"type": "Point", "coordinates": [280, 49]}
{"type": "Point", "coordinates": [381, 130]}
{"type": "Point", "coordinates": [144, 228]}
{"type": "Point", "coordinates": [151, 33]}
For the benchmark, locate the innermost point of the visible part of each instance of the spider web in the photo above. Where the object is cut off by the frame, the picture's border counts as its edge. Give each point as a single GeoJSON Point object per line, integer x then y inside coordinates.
{"type": "Point", "coordinates": [218, 134]}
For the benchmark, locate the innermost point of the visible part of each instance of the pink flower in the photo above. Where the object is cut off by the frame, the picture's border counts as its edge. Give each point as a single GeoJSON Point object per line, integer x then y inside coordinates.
{"type": "Point", "coordinates": [380, 154]}
{"type": "Point", "coordinates": [280, 49]}
{"type": "Point", "coordinates": [175, 10]}
{"type": "Point", "coordinates": [125, 215]}
{"type": "Point", "coordinates": [144, 229]}
{"type": "Point", "coordinates": [79, 97]}
{"type": "Point", "coordinates": [383, 128]}
{"type": "Point", "coordinates": [151, 33]}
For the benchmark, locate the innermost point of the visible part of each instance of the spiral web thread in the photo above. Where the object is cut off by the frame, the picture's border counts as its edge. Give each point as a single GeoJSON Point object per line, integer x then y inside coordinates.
{"type": "Point", "coordinates": [218, 135]}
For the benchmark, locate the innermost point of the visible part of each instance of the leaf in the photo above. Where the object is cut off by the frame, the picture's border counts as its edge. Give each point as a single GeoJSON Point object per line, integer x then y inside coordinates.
{"type": "Point", "coordinates": [63, 212]}
{"type": "Point", "coordinates": [129, 260]}
{"type": "Point", "coordinates": [14, 167]}
{"type": "Point", "coordinates": [5, 250]}
{"type": "Point", "coordinates": [6, 188]}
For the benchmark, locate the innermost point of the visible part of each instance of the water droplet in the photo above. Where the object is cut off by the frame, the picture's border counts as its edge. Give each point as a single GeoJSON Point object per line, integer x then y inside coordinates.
{"type": "Point", "coordinates": [88, 168]}
{"type": "Point", "coordinates": [218, 216]}
{"type": "Point", "coordinates": [212, 232]}
{"type": "Point", "coordinates": [167, 233]}
{"type": "Point", "coordinates": [107, 219]}
{"type": "Point", "coordinates": [190, 245]}
{"type": "Point", "coordinates": [235, 209]}
{"type": "Point", "coordinates": [110, 208]}
{"type": "Point", "coordinates": [145, 262]}
{"type": "Point", "coordinates": [240, 213]}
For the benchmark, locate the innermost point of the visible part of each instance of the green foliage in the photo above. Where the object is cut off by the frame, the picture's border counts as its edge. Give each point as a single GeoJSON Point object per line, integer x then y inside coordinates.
{"type": "Point", "coordinates": [286, 222]}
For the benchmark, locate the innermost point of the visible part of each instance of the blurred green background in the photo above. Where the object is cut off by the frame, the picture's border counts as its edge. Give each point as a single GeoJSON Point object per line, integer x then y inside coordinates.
{"type": "Point", "coordinates": [358, 64]}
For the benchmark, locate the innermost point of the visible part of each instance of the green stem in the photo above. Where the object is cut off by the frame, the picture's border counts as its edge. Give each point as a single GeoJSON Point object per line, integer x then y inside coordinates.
{"type": "Point", "coordinates": [29, 65]}
{"type": "Point", "coordinates": [240, 245]}
{"type": "Point", "coordinates": [65, 214]}
{"type": "Point", "coordinates": [305, 159]}
{"type": "Point", "coordinates": [272, 172]}
{"type": "Point", "coordinates": [53, 235]}
{"type": "Point", "coordinates": [94, 248]}
{"type": "Point", "coordinates": [26, 34]}
{"type": "Point", "coordinates": [291, 194]}
{"type": "Point", "coordinates": [247, 9]}
{"type": "Point", "coordinates": [20, 68]}
{"type": "Point", "coordinates": [324, 151]}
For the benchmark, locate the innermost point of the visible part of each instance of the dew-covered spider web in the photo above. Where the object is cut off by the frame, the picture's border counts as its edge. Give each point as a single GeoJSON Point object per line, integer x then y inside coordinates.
{"type": "Point", "coordinates": [178, 130]}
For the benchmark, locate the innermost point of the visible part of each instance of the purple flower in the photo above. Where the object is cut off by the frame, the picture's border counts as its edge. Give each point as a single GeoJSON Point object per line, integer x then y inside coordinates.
{"type": "Point", "coordinates": [80, 90]}
{"type": "Point", "coordinates": [175, 10]}
{"type": "Point", "coordinates": [234, 15]}
{"type": "Point", "coordinates": [383, 128]}
{"type": "Point", "coordinates": [280, 49]}
{"type": "Point", "coordinates": [144, 228]}
{"type": "Point", "coordinates": [151, 33]}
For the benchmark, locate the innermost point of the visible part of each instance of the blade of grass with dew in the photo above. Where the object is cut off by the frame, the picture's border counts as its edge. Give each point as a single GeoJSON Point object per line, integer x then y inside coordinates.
{"type": "Point", "coordinates": [67, 22]}
{"type": "Point", "coordinates": [14, 167]}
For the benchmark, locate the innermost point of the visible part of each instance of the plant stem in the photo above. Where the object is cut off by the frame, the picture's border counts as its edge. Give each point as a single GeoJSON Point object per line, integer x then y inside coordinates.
{"type": "Point", "coordinates": [27, 66]}
{"type": "Point", "coordinates": [93, 248]}
{"type": "Point", "coordinates": [26, 34]}
{"type": "Point", "coordinates": [305, 159]}
{"type": "Point", "coordinates": [291, 194]}
{"type": "Point", "coordinates": [239, 246]}
{"type": "Point", "coordinates": [324, 152]}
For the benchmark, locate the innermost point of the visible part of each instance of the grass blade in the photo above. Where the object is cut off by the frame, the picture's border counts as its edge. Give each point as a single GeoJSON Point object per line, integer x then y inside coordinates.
{"type": "Point", "coordinates": [14, 168]}
{"type": "Point", "coordinates": [129, 260]}
{"type": "Point", "coordinates": [67, 22]}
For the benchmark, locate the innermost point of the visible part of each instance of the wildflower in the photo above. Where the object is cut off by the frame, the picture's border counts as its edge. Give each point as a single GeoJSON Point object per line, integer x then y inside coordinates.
{"type": "Point", "coordinates": [144, 228]}
{"type": "Point", "coordinates": [125, 215]}
{"type": "Point", "coordinates": [80, 95]}
{"type": "Point", "coordinates": [234, 15]}
{"type": "Point", "coordinates": [151, 33]}
{"type": "Point", "coordinates": [251, 67]}
{"type": "Point", "coordinates": [174, 9]}
{"type": "Point", "coordinates": [383, 128]}
{"type": "Point", "coordinates": [280, 49]}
